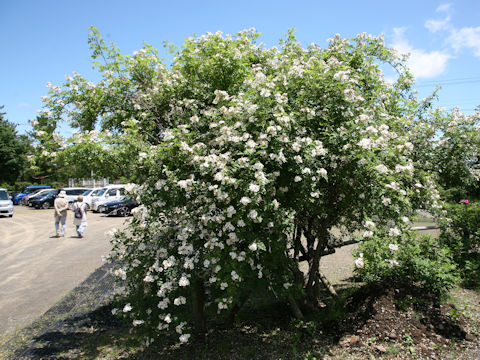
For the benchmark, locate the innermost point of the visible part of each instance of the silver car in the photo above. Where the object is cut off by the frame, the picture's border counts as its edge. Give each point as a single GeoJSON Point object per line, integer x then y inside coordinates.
{"type": "Point", "coordinates": [6, 204]}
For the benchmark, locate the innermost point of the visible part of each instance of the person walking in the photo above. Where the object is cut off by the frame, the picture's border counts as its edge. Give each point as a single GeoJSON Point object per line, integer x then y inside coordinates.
{"type": "Point", "coordinates": [60, 205]}
{"type": "Point", "coordinates": [80, 217]}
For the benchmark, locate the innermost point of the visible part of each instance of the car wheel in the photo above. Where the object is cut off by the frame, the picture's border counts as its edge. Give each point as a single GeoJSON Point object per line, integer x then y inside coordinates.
{"type": "Point", "coordinates": [45, 205]}
{"type": "Point", "coordinates": [87, 207]}
{"type": "Point", "coordinates": [123, 212]}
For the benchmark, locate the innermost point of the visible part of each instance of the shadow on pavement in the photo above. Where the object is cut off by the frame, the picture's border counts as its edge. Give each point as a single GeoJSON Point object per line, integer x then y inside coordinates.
{"type": "Point", "coordinates": [78, 321]}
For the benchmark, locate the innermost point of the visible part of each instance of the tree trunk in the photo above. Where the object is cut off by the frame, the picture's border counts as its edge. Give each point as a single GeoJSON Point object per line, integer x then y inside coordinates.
{"type": "Point", "coordinates": [314, 262]}
{"type": "Point", "coordinates": [314, 274]}
{"type": "Point", "coordinates": [295, 308]}
{"type": "Point", "coordinates": [237, 307]}
{"type": "Point", "coordinates": [327, 284]}
{"type": "Point", "coordinates": [316, 236]}
{"type": "Point", "coordinates": [198, 308]}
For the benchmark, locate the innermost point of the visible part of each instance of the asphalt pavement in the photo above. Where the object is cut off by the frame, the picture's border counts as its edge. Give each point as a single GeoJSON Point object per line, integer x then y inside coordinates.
{"type": "Point", "coordinates": [38, 269]}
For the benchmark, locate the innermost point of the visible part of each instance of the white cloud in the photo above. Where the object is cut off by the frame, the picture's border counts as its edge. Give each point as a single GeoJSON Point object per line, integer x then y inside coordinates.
{"type": "Point", "coordinates": [444, 7]}
{"type": "Point", "coordinates": [423, 64]}
{"type": "Point", "coordinates": [467, 37]}
{"type": "Point", "coordinates": [434, 25]}
{"type": "Point", "coordinates": [24, 105]}
{"type": "Point", "coordinates": [437, 25]}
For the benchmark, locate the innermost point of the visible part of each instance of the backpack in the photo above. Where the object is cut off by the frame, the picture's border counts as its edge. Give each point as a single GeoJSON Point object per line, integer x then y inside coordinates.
{"type": "Point", "coordinates": [78, 213]}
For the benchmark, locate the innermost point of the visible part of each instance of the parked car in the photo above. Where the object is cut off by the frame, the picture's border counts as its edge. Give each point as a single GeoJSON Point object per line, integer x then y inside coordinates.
{"type": "Point", "coordinates": [38, 194]}
{"type": "Point", "coordinates": [108, 194]}
{"type": "Point", "coordinates": [72, 194]}
{"type": "Point", "coordinates": [24, 200]}
{"type": "Point", "coordinates": [44, 199]}
{"type": "Point", "coordinates": [27, 190]}
{"type": "Point", "coordinates": [121, 207]}
{"type": "Point", "coordinates": [6, 204]}
{"type": "Point", "coordinates": [89, 195]}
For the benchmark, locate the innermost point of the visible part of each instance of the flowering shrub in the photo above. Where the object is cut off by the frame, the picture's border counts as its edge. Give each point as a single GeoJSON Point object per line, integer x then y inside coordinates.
{"type": "Point", "coordinates": [244, 152]}
{"type": "Point", "coordinates": [408, 258]}
{"type": "Point", "coordinates": [460, 231]}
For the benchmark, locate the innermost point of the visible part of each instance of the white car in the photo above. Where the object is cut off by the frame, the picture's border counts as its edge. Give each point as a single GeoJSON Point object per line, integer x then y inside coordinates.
{"type": "Point", "coordinates": [107, 194]}
{"type": "Point", "coordinates": [6, 204]}
{"type": "Point", "coordinates": [89, 195]}
{"type": "Point", "coordinates": [72, 194]}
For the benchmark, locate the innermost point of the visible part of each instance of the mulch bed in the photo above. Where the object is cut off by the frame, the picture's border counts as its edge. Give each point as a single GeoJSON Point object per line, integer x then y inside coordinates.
{"type": "Point", "coordinates": [403, 315]}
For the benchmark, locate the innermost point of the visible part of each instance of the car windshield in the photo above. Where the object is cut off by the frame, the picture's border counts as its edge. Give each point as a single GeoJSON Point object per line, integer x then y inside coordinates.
{"type": "Point", "coordinates": [42, 192]}
{"type": "Point", "coordinates": [95, 192]}
{"type": "Point", "coordinates": [3, 195]}
{"type": "Point", "coordinates": [101, 192]}
{"type": "Point", "coordinates": [86, 193]}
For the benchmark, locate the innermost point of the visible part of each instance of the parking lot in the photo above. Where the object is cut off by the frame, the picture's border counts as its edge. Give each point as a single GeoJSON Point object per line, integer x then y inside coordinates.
{"type": "Point", "coordinates": [38, 269]}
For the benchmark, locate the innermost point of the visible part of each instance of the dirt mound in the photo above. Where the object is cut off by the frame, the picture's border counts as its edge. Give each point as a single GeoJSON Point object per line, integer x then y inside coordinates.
{"type": "Point", "coordinates": [403, 314]}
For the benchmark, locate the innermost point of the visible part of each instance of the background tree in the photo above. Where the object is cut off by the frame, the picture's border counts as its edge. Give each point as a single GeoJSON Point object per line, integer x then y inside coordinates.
{"type": "Point", "coordinates": [447, 145]}
{"type": "Point", "coordinates": [13, 148]}
{"type": "Point", "coordinates": [113, 129]}
{"type": "Point", "coordinates": [47, 143]}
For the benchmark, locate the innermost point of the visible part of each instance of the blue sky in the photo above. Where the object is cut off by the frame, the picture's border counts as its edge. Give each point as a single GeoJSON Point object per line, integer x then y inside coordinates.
{"type": "Point", "coordinates": [42, 41]}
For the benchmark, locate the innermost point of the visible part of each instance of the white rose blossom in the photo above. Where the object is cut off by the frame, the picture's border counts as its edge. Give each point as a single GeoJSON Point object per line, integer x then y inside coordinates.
{"type": "Point", "coordinates": [382, 169]}
{"type": "Point", "coordinates": [245, 200]}
{"type": "Point", "coordinates": [394, 232]}
{"type": "Point", "coordinates": [183, 281]}
{"type": "Point", "coordinates": [254, 188]}
{"type": "Point", "coordinates": [184, 338]}
{"type": "Point", "coordinates": [359, 263]}
{"type": "Point", "coordinates": [393, 247]}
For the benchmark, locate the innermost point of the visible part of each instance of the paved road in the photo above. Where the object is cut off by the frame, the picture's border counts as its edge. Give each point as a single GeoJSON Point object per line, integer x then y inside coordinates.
{"type": "Point", "coordinates": [38, 269]}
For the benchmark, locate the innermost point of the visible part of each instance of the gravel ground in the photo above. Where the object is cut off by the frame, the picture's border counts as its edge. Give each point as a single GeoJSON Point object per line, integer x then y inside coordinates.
{"type": "Point", "coordinates": [338, 267]}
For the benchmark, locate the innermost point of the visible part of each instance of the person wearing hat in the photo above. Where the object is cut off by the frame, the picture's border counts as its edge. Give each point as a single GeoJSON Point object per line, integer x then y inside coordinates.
{"type": "Point", "coordinates": [60, 205]}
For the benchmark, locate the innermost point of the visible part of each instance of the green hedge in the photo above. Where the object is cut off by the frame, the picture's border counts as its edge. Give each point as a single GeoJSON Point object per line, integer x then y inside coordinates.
{"type": "Point", "coordinates": [460, 231]}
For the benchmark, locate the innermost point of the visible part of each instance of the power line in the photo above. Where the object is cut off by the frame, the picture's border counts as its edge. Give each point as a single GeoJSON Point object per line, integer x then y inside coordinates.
{"type": "Point", "coordinates": [458, 81]}
{"type": "Point", "coordinates": [454, 79]}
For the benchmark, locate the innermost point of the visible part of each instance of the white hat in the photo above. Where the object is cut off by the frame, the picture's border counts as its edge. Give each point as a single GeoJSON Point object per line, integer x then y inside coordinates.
{"type": "Point", "coordinates": [62, 193]}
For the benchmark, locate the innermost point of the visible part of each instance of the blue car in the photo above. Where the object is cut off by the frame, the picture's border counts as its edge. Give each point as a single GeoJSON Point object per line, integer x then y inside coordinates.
{"type": "Point", "coordinates": [16, 198]}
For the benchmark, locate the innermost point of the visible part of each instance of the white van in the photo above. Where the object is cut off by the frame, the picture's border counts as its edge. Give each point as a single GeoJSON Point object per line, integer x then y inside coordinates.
{"type": "Point", "coordinates": [6, 204]}
{"type": "Point", "coordinates": [107, 194]}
